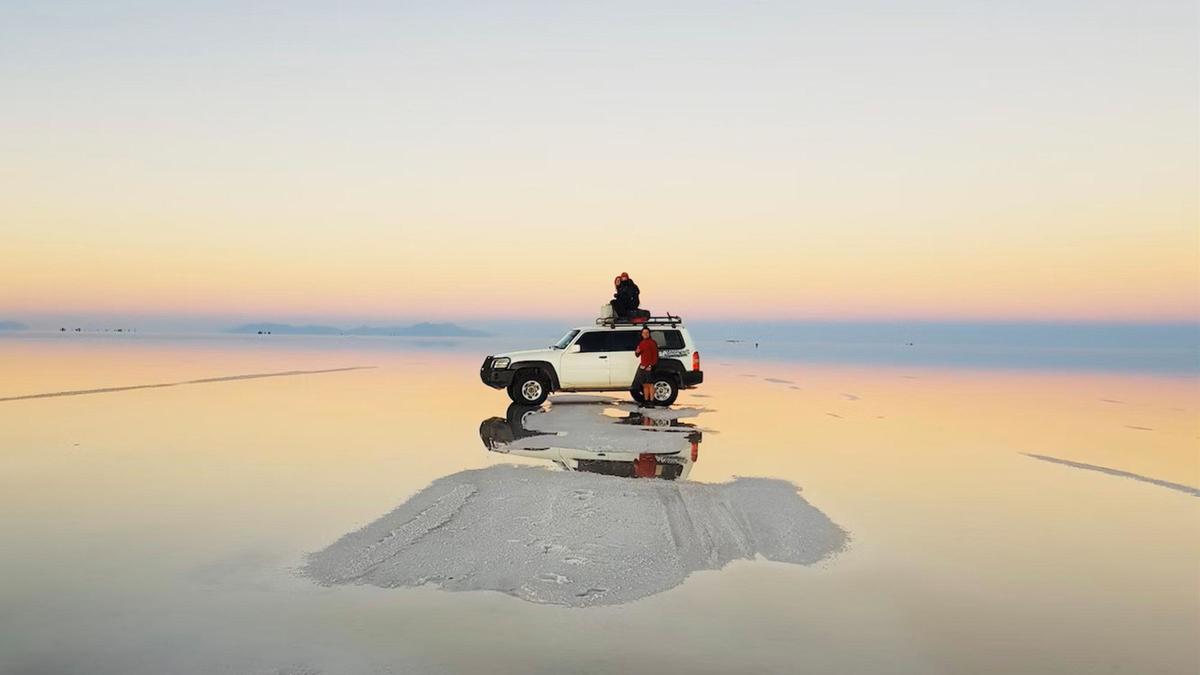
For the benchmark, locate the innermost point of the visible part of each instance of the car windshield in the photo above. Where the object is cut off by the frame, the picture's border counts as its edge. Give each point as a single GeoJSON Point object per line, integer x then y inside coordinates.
{"type": "Point", "coordinates": [566, 340]}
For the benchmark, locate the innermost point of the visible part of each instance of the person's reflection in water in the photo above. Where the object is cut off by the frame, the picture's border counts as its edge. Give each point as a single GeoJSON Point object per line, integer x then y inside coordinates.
{"type": "Point", "coordinates": [646, 465]}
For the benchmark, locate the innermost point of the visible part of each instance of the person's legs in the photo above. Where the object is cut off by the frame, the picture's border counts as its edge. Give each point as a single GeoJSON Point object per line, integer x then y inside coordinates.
{"type": "Point", "coordinates": [641, 380]}
{"type": "Point", "coordinates": [648, 387]}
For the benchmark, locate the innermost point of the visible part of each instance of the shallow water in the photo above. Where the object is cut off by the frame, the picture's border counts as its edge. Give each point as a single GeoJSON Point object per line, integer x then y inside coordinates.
{"type": "Point", "coordinates": [995, 521]}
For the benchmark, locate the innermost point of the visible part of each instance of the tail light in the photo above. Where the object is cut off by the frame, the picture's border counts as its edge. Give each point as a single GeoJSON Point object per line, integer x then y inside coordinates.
{"type": "Point", "coordinates": [695, 360]}
{"type": "Point", "coordinates": [695, 451]}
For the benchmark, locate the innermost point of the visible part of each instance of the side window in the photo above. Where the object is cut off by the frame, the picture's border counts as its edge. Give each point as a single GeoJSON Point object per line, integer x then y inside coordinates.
{"type": "Point", "coordinates": [668, 339]}
{"type": "Point", "coordinates": [592, 342]}
{"type": "Point", "coordinates": [623, 340]}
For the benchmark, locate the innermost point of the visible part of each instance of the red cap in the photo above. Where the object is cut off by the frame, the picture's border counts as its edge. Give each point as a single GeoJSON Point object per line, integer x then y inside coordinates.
{"type": "Point", "coordinates": [624, 275]}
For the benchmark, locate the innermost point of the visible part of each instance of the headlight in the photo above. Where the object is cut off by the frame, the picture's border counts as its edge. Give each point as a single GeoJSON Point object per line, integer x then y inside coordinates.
{"type": "Point", "coordinates": [501, 363]}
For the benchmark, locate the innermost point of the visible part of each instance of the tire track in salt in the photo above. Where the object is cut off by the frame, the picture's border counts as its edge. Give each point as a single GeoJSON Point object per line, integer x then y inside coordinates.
{"type": "Point", "coordinates": [161, 385]}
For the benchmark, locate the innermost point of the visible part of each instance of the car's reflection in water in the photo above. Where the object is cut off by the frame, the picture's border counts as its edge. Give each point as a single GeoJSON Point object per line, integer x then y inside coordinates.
{"type": "Point", "coordinates": [573, 537]}
{"type": "Point", "coordinates": [580, 436]}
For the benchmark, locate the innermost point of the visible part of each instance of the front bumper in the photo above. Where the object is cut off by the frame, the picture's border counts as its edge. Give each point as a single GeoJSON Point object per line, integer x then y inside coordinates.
{"type": "Point", "coordinates": [692, 378]}
{"type": "Point", "coordinates": [496, 379]}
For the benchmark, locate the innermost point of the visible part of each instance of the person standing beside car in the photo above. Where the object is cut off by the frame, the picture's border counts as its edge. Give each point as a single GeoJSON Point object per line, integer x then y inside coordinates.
{"type": "Point", "coordinates": [647, 350]}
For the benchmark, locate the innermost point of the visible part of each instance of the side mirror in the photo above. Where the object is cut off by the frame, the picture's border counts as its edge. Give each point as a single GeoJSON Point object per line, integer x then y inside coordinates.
{"type": "Point", "coordinates": [573, 349]}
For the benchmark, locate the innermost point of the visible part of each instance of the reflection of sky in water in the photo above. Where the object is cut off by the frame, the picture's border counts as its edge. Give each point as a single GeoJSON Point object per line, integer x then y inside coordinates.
{"type": "Point", "coordinates": [159, 530]}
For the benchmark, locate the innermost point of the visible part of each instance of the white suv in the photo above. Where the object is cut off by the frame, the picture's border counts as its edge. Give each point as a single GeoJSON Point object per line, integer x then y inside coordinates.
{"type": "Point", "coordinates": [598, 358]}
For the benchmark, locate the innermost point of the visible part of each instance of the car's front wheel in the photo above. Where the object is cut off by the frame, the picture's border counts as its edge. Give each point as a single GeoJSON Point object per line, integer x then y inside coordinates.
{"type": "Point", "coordinates": [529, 387]}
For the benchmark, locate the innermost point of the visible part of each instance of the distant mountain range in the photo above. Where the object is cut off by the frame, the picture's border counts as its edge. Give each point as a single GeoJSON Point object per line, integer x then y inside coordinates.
{"type": "Point", "coordinates": [440, 330]}
{"type": "Point", "coordinates": [13, 325]}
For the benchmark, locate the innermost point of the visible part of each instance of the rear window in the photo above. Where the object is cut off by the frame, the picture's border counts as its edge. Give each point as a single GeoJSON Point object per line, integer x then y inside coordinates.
{"type": "Point", "coordinates": [668, 339]}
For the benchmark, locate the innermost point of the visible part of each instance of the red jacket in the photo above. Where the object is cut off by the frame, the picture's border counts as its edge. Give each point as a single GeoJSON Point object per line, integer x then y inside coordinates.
{"type": "Point", "coordinates": [648, 350]}
{"type": "Point", "coordinates": [645, 466]}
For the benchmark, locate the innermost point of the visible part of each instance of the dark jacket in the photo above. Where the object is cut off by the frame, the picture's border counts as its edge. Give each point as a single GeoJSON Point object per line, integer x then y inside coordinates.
{"type": "Point", "coordinates": [627, 298]}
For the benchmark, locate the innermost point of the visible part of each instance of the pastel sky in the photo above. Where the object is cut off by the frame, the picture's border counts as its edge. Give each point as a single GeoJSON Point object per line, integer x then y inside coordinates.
{"type": "Point", "coordinates": [368, 160]}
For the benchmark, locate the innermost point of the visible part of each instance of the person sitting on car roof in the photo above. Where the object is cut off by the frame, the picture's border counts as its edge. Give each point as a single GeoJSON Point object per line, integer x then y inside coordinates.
{"type": "Point", "coordinates": [627, 297]}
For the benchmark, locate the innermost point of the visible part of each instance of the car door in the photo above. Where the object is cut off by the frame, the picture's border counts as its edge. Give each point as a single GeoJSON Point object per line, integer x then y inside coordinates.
{"type": "Point", "coordinates": [622, 362]}
{"type": "Point", "coordinates": [585, 363]}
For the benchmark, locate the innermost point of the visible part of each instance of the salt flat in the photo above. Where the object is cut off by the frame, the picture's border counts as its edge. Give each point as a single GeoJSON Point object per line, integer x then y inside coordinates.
{"type": "Point", "coordinates": [576, 539]}
{"type": "Point", "coordinates": [312, 523]}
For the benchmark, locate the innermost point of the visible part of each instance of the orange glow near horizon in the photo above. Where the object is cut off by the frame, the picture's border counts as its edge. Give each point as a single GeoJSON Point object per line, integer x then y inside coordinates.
{"type": "Point", "coordinates": [974, 276]}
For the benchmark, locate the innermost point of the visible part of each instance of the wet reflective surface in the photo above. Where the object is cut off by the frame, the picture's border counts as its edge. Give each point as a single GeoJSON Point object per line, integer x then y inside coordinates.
{"type": "Point", "coordinates": [581, 540]}
{"type": "Point", "coordinates": [599, 435]}
{"type": "Point", "coordinates": [832, 519]}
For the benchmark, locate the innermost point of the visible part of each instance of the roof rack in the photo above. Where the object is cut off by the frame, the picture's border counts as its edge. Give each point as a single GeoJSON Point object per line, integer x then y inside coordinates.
{"type": "Point", "coordinates": [668, 320]}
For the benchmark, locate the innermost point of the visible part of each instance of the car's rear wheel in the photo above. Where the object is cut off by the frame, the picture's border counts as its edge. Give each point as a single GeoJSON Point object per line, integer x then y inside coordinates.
{"type": "Point", "coordinates": [666, 390]}
{"type": "Point", "coordinates": [529, 387]}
